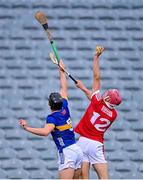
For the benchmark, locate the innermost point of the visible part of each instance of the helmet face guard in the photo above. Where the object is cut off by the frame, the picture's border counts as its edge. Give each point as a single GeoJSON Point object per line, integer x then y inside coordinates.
{"type": "Point", "coordinates": [112, 97]}
{"type": "Point", "coordinates": [55, 101]}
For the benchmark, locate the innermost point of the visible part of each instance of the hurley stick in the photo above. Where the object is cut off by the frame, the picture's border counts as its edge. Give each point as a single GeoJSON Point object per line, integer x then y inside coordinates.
{"type": "Point", "coordinates": [54, 60]}
{"type": "Point", "coordinates": [43, 20]}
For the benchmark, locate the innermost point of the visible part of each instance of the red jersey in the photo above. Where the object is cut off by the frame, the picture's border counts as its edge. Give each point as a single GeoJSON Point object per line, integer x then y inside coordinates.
{"type": "Point", "coordinates": [96, 120]}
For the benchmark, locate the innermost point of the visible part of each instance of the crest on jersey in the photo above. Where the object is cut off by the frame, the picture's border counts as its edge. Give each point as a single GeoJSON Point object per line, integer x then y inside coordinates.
{"type": "Point", "coordinates": [63, 112]}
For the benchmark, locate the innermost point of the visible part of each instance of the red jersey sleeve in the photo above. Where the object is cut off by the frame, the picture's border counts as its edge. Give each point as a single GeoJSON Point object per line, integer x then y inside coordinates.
{"type": "Point", "coordinates": [96, 97]}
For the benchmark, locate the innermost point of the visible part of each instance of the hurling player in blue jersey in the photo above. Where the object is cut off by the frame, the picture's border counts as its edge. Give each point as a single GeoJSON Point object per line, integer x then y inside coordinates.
{"type": "Point", "coordinates": [59, 124]}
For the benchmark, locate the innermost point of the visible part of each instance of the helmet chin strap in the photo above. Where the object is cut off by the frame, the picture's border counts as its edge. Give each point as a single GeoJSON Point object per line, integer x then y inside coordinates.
{"type": "Point", "coordinates": [111, 106]}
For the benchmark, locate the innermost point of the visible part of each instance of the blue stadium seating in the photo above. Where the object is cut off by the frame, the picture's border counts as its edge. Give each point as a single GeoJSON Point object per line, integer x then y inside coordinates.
{"type": "Point", "coordinates": [3, 174]}
{"type": "Point", "coordinates": [12, 164]}
{"type": "Point", "coordinates": [39, 174]}
{"type": "Point", "coordinates": [17, 173]}
{"type": "Point", "coordinates": [27, 77]}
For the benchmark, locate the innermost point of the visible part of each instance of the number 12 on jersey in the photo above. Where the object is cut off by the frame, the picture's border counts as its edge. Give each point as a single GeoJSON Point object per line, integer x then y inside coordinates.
{"type": "Point", "coordinates": [99, 123]}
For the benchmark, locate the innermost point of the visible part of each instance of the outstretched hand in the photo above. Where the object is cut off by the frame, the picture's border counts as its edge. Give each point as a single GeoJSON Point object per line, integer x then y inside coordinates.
{"type": "Point", "coordinates": [23, 123]}
{"type": "Point", "coordinates": [99, 50]}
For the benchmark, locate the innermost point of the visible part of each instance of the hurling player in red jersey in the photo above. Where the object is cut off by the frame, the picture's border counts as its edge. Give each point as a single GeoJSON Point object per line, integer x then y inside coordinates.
{"type": "Point", "coordinates": [98, 117]}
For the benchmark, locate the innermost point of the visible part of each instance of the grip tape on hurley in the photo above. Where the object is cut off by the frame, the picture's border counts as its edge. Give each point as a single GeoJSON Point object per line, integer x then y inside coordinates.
{"type": "Point", "coordinates": [45, 26]}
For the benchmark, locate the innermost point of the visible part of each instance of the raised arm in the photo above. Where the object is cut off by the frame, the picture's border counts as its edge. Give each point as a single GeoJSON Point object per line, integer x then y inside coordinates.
{"type": "Point", "coordinates": [63, 82]}
{"type": "Point", "coordinates": [87, 92]}
{"type": "Point", "coordinates": [96, 69]}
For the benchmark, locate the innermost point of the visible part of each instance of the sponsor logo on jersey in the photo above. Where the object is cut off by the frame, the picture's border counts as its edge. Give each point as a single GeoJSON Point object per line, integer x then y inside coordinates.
{"type": "Point", "coordinates": [106, 111]}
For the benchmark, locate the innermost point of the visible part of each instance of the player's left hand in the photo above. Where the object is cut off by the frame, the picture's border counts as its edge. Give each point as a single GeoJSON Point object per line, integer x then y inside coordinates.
{"type": "Point", "coordinates": [62, 66]}
{"type": "Point", "coordinates": [99, 50]}
{"type": "Point", "coordinates": [80, 84]}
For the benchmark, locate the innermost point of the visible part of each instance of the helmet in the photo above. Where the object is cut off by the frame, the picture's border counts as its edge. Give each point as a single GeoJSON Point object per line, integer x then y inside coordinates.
{"type": "Point", "coordinates": [114, 95]}
{"type": "Point", "coordinates": [55, 101]}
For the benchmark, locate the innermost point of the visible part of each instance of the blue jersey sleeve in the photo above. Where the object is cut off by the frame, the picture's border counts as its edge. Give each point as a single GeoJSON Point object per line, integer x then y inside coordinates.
{"type": "Point", "coordinates": [50, 120]}
{"type": "Point", "coordinates": [65, 103]}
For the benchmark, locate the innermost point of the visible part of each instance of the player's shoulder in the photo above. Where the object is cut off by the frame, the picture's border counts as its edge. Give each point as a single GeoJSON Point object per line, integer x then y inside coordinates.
{"type": "Point", "coordinates": [96, 94]}
{"type": "Point", "coordinates": [50, 117]}
{"type": "Point", "coordinates": [65, 101]}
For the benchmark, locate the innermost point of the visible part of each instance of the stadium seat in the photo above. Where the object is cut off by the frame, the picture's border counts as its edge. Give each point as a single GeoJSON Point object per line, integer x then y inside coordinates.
{"type": "Point", "coordinates": [7, 153]}
{"type": "Point", "coordinates": [133, 175]}
{"type": "Point", "coordinates": [44, 144]}
{"type": "Point", "coordinates": [115, 175]}
{"type": "Point", "coordinates": [12, 164]}
{"type": "Point", "coordinates": [112, 145]}
{"type": "Point", "coordinates": [52, 165]}
{"type": "Point", "coordinates": [132, 146]}
{"type": "Point", "coordinates": [8, 125]}
{"type": "Point", "coordinates": [127, 166]}
{"type": "Point", "coordinates": [136, 126]}
{"type": "Point", "coordinates": [4, 143]}
{"type": "Point", "coordinates": [3, 174]}
{"type": "Point", "coordinates": [47, 154]}
{"type": "Point", "coordinates": [126, 136]}
{"type": "Point", "coordinates": [118, 156]}
{"type": "Point", "coordinates": [33, 137]}
{"type": "Point", "coordinates": [141, 168]}
{"type": "Point", "coordinates": [17, 173]}
{"type": "Point", "coordinates": [39, 174]}
{"type": "Point", "coordinates": [140, 137]}
{"type": "Point", "coordinates": [120, 124]}
{"type": "Point", "coordinates": [19, 144]}
{"type": "Point", "coordinates": [133, 117]}
{"type": "Point", "coordinates": [2, 133]}
{"type": "Point", "coordinates": [27, 77]}
{"type": "Point", "coordinates": [33, 164]}
{"type": "Point", "coordinates": [15, 134]}
{"type": "Point", "coordinates": [28, 153]}
{"type": "Point", "coordinates": [109, 135]}
{"type": "Point", "coordinates": [138, 156]}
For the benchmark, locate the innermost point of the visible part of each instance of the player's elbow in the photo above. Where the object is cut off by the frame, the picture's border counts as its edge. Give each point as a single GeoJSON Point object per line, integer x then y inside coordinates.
{"type": "Point", "coordinates": [89, 96]}
{"type": "Point", "coordinates": [96, 77]}
{"type": "Point", "coordinates": [45, 133]}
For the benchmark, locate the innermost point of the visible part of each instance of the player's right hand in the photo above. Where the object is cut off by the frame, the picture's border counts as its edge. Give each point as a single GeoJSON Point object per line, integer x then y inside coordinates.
{"type": "Point", "coordinates": [23, 123]}
{"type": "Point", "coordinates": [99, 50]}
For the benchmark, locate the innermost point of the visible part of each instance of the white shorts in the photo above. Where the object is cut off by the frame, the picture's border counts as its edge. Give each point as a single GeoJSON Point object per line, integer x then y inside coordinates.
{"type": "Point", "coordinates": [71, 157]}
{"type": "Point", "coordinates": [93, 151]}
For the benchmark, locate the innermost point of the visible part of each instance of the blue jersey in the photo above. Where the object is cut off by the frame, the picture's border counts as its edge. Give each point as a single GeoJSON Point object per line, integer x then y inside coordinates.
{"type": "Point", "coordinates": [63, 134]}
